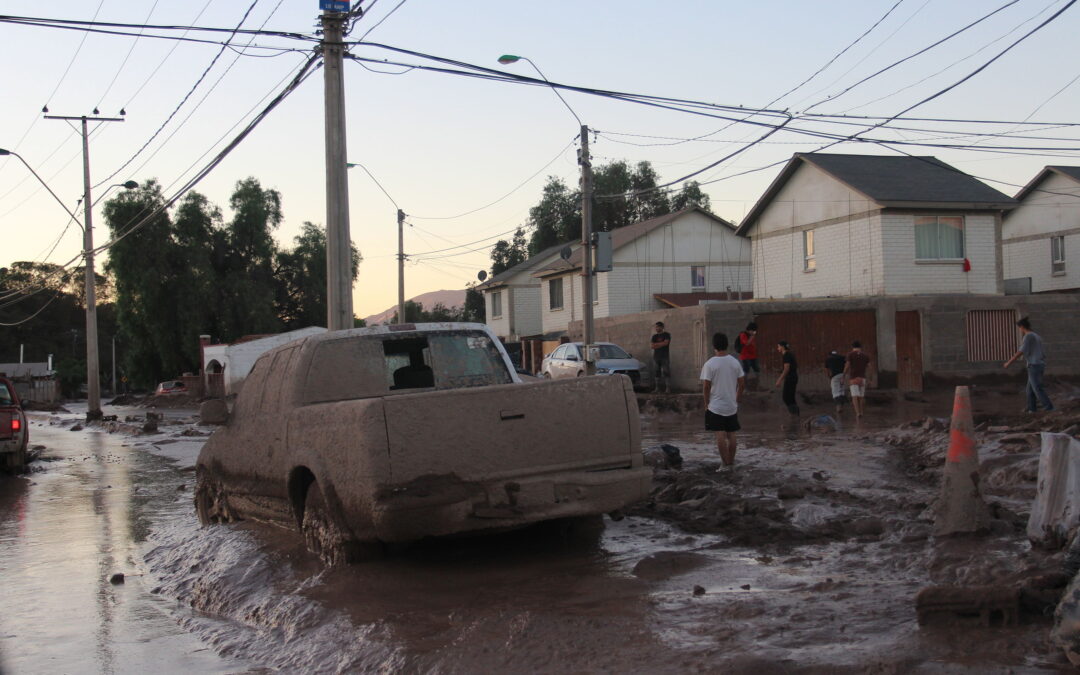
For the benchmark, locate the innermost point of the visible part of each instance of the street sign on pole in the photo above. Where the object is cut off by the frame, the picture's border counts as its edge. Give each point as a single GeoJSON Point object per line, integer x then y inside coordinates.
{"type": "Point", "coordinates": [334, 5]}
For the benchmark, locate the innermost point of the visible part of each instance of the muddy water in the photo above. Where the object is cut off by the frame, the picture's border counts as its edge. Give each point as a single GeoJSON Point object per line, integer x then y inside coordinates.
{"type": "Point", "coordinates": [64, 530]}
{"type": "Point", "coordinates": [646, 594]}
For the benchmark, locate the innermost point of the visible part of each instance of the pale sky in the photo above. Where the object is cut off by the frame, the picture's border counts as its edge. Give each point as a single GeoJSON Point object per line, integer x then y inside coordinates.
{"type": "Point", "coordinates": [443, 145]}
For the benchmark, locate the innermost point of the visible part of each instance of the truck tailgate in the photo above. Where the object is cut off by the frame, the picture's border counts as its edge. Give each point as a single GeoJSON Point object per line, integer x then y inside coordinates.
{"type": "Point", "coordinates": [487, 433]}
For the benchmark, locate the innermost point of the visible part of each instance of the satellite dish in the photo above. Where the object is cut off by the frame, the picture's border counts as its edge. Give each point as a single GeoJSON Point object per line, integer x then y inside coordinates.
{"type": "Point", "coordinates": [481, 275]}
{"type": "Point", "coordinates": [565, 253]}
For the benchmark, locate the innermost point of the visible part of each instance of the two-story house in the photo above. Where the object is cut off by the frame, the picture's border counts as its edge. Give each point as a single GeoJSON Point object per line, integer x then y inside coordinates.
{"type": "Point", "coordinates": [1037, 234]}
{"type": "Point", "coordinates": [690, 253]}
{"type": "Point", "coordinates": [838, 225]}
{"type": "Point", "coordinates": [512, 297]}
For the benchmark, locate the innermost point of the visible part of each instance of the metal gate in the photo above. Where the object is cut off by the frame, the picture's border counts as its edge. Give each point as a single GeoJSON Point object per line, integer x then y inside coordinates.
{"type": "Point", "coordinates": [812, 336]}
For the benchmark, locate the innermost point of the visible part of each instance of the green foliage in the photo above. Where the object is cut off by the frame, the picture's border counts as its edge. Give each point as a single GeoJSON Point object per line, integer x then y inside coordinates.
{"type": "Point", "coordinates": [506, 254]}
{"type": "Point", "coordinates": [300, 276]}
{"type": "Point", "coordinates": [415, 313]}
{"type": "Point", "coordinates": [474, 309]}
{"type": "Point", "coordinates": [71, 373]}
{"type": "Point", "coordinates": [690, 195]}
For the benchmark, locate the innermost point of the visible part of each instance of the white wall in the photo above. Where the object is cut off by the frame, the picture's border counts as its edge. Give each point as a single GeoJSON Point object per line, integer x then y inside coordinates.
{"type": "Point", "coordinates": [500, 325]}
{"type": "Point", "coordinates": [558, 320]}
{"type": "Point", "coordinates": [238, 359]}
{"type": "Point", "coordinates": [905, 276]}
{"type": "Point", "coordinates": [810, 196]}
{"type": "Point", "coordinates": [1045, 212]}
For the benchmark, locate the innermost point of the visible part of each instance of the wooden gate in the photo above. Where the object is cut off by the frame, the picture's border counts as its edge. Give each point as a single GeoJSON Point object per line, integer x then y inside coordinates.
{"type": "Point", "coordinates": [909, 365]}
{"type": "Point", "coordinates": [812, 336]}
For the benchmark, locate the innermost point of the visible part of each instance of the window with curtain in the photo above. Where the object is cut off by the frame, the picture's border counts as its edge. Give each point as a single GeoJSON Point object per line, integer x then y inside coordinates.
{"type": "Point", "coordinates": [1057, 255]}
{"type": "Point", "coordinates": [809, 258]}
{"type": "Point", "coordinates": [555, 300]}
{"type": "Point", "coordinates": [697, 277]}
{"type": "Point", "coordinates": [939, 237]}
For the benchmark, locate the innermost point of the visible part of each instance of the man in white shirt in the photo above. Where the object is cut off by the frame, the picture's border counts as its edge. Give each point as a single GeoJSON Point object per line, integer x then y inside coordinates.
{"type": "Point", "coordinates": [722, 381]}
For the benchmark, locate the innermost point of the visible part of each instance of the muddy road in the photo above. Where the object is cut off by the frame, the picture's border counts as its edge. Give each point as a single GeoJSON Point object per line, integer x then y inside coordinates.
{"type": "Point", "coordinates": [805, 558]}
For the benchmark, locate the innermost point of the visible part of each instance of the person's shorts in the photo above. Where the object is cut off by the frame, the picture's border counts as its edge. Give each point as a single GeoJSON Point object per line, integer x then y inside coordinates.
{"type": "Point", "coordinates": [837, 384]}
{"type": "Point", "coordinates": [858, 386]}
{"type": "Point", "coordinates": [748, 365]}
{"type": "Point", "coordinates": [714, 422]}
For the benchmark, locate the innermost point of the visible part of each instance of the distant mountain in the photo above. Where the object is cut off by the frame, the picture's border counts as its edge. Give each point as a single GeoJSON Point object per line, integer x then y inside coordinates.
{"type": "Point", "coordinates": [426, 300]}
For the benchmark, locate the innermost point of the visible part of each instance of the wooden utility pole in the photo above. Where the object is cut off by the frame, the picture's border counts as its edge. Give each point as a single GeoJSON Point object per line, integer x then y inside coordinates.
{"type": "Point", "coordinates": [586, 250]}
{"type": "Point", "coordinates": [401, 266]}
{"type": "Point", "coordinates": [93, 378]}
{"type": "Point", "coordinates": [338, 242]}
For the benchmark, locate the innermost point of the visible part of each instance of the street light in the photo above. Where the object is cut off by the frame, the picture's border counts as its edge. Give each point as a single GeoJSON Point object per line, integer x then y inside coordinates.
{"type": "Point", "coordinates": [127, 185]}
{"type": "Point", "coordinates": [586, 218]}
{"type": "Point", "coordinates": [93, 384]}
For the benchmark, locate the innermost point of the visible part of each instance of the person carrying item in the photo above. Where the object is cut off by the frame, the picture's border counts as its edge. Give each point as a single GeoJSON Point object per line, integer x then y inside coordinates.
{"type": "Point", "coordinates": [746, 347]}
{"type": "Point", "coordinates": [722, 381]}
{"type": "Point", "coordinates": [834, 367]}
{"type": "Point", "coordinates": [789, 379]}
{"type": "Point", "coordinates": [1031, 348]}
{"type": "Point", "coordinates": [660, 342]}
{"type": "Point", "coordinates": [855, 370]}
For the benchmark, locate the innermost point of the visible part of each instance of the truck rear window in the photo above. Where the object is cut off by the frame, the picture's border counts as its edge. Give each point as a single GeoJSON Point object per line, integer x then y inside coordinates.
{"type": "Point", "coordinates": [378, 365]}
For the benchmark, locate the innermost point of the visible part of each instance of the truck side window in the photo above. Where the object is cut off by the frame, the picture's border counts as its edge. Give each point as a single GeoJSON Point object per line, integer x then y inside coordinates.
{"type": "Point", "coordinates": [345, 369]}
{"type": "Point", "coordinates": [408, 364]}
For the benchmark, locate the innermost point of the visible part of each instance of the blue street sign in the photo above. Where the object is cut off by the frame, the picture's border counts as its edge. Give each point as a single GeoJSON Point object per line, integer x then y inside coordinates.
{"type": "Point", "coordinates": [334, 5]}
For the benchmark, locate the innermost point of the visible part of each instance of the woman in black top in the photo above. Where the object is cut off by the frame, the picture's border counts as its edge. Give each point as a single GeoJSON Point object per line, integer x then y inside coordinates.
{"type": "Point", "coordinates": [789, 377]}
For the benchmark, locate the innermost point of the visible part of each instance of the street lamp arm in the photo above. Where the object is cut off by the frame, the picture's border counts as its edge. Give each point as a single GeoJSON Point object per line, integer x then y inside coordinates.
{"type": "Point", "coordinates": [507, 59]}
{"type": "Point", "coordinates": [40, 180]}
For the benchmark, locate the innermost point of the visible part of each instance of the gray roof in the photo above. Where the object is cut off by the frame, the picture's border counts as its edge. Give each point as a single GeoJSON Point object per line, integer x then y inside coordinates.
{"type": "Point", "coordinates": [533, 261]}
{"type": "Point", "coordinates": [14, 370]}
{"type": "Point", "coordinates": [893, 181]}
{"type": "Point", "coordinates": [1072, 172]}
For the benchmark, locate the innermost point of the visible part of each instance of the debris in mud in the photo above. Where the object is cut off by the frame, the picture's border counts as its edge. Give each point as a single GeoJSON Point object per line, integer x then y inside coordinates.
{"type": "Point", "coordinates": [76, 427]}
{"type": "Point", "coordinates": [150, 426]}
{"type": "Point", "coordinates": [984, 602]}
{"type": "Point", "coordinates": [666, 564]}
{"type": "Point", "coordinates": [117, 578]}
{"type": "Point", "coordinates": [663, 456]}
{"type": "Point", "coordinates": [699, 590]}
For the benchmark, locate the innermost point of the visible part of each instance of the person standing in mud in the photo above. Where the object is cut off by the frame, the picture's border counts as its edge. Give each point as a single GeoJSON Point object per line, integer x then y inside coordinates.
{"type": "Point", "coordinates": [1031, 348]}
{"type": "Point", "coordinates": [855, 370]}
{"type": "Point", "coordinates": [661, 340]}
{"type": "Point", "coordinates": [834, 368]}
{"type": "Point", "coordinates": [746, 348]}
{"type": "Point", "coordinates": [722, 381]}
{"type": "Point", "coordinates": [788, 380]}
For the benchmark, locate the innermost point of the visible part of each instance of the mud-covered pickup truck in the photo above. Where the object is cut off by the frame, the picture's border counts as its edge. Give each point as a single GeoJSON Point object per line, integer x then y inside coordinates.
{"type": "Point", "coordinates": [14, 433]}
{"type": "Point", "coordinates": [396, 433]}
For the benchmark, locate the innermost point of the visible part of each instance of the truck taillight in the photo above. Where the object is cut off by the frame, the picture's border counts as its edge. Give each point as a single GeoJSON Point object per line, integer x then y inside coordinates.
{"type": "Point", "coordinates": [16, 424]}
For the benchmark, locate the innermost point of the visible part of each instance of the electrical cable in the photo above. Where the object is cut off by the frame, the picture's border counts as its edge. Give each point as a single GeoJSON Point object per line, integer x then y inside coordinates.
{"type": "Point", "coordinates": [184, 100]}
{"type": "Point", "coordinates": [60, 23]}
{"type": "Point", "coordinates": [126, 57]}
{"type": "Point", "coordinates": [380, 22]}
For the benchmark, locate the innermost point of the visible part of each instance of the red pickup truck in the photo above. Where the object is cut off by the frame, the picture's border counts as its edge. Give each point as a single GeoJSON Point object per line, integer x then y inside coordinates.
{"type": "Point", "coordinates": [14, 434]}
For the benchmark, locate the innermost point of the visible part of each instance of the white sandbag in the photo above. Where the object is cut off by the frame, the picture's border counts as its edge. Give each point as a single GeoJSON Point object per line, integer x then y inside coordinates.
{"type": "Point", "coordinates": [1056, 510]}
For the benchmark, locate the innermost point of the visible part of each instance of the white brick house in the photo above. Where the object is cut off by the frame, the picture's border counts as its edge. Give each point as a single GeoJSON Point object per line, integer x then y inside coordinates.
{"type": "Point", "coordinates": [690, 253]}
{"type": "Point", "coordinates": [1038, 235]}
{"type": "Point", "coordinates": [512, 297]}
{"type": "Point", "coordinates": [833, 225]}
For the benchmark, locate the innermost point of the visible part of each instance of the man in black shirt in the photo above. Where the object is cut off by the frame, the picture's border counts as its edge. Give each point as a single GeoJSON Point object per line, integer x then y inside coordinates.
{"type": "Point", "coordinates": [661, 359]}
{"type": "Point", "coordinates": [789, 380]}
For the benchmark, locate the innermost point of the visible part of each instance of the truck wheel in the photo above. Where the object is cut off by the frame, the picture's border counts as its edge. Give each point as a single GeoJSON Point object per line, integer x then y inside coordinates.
{"type": "Point", "coordinates": [210, 501]}
{"type": "Point", "coordinates": [322, 535]}
{"type": "Point", "coordinates": [546, 375]}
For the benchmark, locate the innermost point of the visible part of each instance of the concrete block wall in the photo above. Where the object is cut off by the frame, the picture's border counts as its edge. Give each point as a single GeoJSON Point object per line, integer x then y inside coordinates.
{"type": "Point", "coordinates": [1031, 258]}
{"type": "Point", "coordinates": [905, 276]}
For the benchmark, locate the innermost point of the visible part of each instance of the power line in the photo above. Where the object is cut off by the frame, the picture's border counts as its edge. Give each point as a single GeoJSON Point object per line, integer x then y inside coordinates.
{"type": "Point", "coordinates": [168, 119]}
{"type": "Point", "coordinates": [61, 23]}
{"type": "Point", "coordinates": [167, 56]}
{"type": "Point", "coordinates": [380, 22]}
{"type": "Point", "coordinates": [126, 57]}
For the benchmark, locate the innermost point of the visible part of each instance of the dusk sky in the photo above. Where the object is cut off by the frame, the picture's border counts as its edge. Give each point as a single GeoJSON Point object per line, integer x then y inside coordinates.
{"type": "Point", "coordinates": [442, 145]}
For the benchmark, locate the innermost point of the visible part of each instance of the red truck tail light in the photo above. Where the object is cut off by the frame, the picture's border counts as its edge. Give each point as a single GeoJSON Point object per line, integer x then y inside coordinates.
{"type": "Point", "coordinates": [16, 424]}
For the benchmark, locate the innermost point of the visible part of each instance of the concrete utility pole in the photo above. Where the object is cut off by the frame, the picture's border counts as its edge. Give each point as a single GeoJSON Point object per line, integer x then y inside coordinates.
{"type": "Point", "coordinates": [586, 249]}
{"type": "Point", "coordinates": [93, 377]}
{"type": "Point", "coordinates": [339, 305]}
{"type": "Point", "coordinates": [400, 266]}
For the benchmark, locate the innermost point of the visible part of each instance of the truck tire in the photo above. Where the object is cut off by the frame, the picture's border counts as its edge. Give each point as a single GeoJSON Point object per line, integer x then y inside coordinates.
{"type": "Point", "coordinates": [322, 535]}
{"type": "Point", "coordinates": [211, 503]}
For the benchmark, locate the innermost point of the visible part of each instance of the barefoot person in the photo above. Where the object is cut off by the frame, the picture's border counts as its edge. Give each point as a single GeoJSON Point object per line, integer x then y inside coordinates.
{"type": "Point", "coordinates": [789, 379]}
{"type": "Point", "coordinates": [1031, 348]}
{"type": "Point", "coordinates": [855, 370]}
{"type": "Point", "coordinates": [722, 382]}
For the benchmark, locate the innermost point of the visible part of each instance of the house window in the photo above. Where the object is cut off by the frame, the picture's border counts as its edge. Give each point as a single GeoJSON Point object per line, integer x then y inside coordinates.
{"type": "Point", "coordinates": [697, 278]}
{"type": "Point", "coordinates": [496, 305]}
{"type": "Point", "coordinates": [809, 259]}
{"type": "Point", "coordinates": [1057, 255]}
{"type": "Point", "coordinates": [990, 334]}
{"type": "Point", "coordinates": [939, 238]}
{"type": "Point", "coordinates": [555, 294]}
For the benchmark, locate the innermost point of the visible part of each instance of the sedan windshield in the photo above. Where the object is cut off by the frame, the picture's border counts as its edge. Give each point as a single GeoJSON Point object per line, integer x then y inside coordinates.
{"type": "Point", "coordinates": [611, 352]}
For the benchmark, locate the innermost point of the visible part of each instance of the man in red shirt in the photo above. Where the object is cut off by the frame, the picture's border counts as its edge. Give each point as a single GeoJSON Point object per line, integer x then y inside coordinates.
{"type": "Point", "coordinates": [855, 370]}
{"type": "Point", "coordinates": [746, 346]}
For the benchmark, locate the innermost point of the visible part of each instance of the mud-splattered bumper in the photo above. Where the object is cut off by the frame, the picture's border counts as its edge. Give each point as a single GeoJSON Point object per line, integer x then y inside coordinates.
{"type": "Point", "coordinates": [443, 505]}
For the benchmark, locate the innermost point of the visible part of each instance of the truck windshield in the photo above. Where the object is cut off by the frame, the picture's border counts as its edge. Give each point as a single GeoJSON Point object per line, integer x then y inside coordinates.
{"type": "Point", "coordinates": [466, 359]}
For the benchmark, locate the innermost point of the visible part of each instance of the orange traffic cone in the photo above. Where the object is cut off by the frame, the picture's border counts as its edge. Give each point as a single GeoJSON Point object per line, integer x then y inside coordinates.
{"type": "Point", "coordinates": [961, 507]}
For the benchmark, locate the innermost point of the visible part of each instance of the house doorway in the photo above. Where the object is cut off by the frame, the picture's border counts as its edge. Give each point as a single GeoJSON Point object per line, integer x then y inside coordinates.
{"type": "Point", "coordinates": [909, 364]}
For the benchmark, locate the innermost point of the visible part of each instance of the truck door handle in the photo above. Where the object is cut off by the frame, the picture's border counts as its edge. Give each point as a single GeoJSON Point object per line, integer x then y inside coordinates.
{"type": "Point", "coordinates": [511, 415]}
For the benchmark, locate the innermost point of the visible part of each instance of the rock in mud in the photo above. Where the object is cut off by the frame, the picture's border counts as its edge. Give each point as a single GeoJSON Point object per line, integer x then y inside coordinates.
{"type": "Point", "coordinates": [792, 490]}
{"type": "Point", "coordinates": [150, 426]}
{"type": "Point", "coordinates": [117, 578]}
{"type": "Point", "coordinates": [988, 603]}
{"type": "Point", "coordinates": [699, 590]}
{"type": "Point", "coordinates": [77, 427]}
{"type": "Point", "coordinates": [867, 526]}
{"type": "Point", "coordinates": [663, 457]}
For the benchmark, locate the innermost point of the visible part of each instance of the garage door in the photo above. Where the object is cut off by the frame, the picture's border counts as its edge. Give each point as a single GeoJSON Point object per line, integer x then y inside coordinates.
{"type": "Point", "coordinates": [812, 336]}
